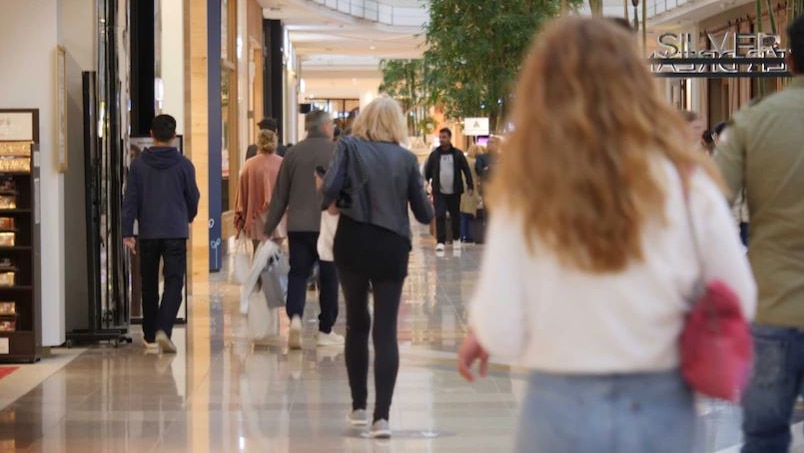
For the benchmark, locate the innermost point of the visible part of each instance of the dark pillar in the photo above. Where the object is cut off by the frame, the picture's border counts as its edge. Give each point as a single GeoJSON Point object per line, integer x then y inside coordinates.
{"type": "Point", "coordinates": [274, 71]}
{"type": "Point", "coordinates": [142, 66]}
{"type": "Point", "coordinates": [215, 134]}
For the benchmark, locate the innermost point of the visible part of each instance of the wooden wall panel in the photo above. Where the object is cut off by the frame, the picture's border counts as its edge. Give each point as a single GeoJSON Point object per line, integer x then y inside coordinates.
{"type": "Point", "coordinates": [196, 127]}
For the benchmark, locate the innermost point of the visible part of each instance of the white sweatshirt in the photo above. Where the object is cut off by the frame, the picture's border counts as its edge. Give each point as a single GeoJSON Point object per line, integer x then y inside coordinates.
{"type": "Point", "coordinates": [556, 319]}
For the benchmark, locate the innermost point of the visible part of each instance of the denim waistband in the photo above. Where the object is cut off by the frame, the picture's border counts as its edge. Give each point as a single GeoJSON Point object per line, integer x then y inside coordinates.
{"type": "Point", "coordinates": [775, 331]}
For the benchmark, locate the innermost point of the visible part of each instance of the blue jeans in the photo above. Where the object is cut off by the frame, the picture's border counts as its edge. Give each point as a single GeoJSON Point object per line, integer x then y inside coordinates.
{"type": "Point", "coordinates": [465, 219]}
{"type": "Point", "coordinates": [629, 413]}
{"type": "Point", "coordinates": [775, 385]}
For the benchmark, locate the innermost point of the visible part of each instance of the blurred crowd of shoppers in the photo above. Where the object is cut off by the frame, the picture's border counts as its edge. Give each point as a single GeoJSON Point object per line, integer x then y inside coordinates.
{"type": "Point", "coordinates": [597, 213]}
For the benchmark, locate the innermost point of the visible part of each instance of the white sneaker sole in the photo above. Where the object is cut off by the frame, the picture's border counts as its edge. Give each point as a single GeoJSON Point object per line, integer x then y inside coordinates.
{"type": "Point", "coordinates": [382, 434]}
{"type": "Point", "coordinates": [166, 345]}
{"type": "Point", "coordinates": [327, 342]}
{"type": "Point", "coordinates": [357, 423]}
{"type": "Point", "coordinates": [294, 339]}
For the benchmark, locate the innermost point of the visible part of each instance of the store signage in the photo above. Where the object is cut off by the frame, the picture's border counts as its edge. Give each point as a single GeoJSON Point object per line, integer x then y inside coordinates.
{"type": "Point", "coordinates": [475, 126]}
{"type": "Point", "coordinates": [16, 126]}
{"type": "Point", "coordinates": [726, 55]}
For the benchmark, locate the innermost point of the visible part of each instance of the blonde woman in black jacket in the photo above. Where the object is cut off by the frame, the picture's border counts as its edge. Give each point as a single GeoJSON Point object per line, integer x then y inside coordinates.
{"type": "Point", "coordinates": [374, 180]}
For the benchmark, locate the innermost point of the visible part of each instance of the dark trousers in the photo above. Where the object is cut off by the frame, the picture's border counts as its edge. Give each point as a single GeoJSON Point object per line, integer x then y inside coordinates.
{"type": "Point", "coordinates": [443, 204]}
{"type": "Point", "coordinates": [744, 233]}
{"type": "Point", "coordinates": [303, 256]}
{"type": "Point", "coordinates": [387, 295]}
{"type": "Point", "coordinates": [775, 386]}
{"type": "Point", "coordinates": [172, 253]}
{"type": "Point", "coordinates": [466, 233]}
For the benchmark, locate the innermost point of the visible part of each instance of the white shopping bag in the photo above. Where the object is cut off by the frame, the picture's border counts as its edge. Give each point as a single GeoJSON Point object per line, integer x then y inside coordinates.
{"type": "Point", "coordinates": [263, 322]}
{"type": "Point", "coordinates": [240, 253]}
{"type": "Point", "coordinates": [326, 238]}
{"type": "Point", "coordinates": [261, 258]}
{"type": "Point", "coordinates": [274, 280]}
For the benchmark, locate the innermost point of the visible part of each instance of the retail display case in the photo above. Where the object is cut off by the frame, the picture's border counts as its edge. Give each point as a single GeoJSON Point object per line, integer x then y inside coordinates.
{"type": "Point", "coordinates": [20, 318]}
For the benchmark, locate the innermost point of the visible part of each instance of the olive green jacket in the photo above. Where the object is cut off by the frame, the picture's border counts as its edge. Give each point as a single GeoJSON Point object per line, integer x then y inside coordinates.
{"type": "Point", "coordinates": [762, 151]}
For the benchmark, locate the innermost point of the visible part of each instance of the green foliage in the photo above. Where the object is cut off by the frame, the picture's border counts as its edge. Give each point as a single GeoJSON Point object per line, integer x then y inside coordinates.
{"type": "Point", "coordinates": [403, 80]}
{"type": "Point", "coordinates": [476, 49]}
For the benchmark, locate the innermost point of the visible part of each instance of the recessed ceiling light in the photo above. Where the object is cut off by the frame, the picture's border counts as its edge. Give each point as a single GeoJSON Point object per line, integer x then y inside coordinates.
{"type": "Point", "coordinates": [372, 47]}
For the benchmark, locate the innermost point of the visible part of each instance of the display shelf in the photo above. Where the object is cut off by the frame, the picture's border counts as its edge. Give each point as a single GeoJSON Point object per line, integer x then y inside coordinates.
{"type": "Point", "coordinates": [20, 343]}
{"type": "Point", "coordinates": [23, 344]}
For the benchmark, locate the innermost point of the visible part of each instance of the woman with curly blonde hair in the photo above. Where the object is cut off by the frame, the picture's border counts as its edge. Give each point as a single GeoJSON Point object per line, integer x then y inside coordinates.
{"type": "Point", "coordinates": [590, 256]}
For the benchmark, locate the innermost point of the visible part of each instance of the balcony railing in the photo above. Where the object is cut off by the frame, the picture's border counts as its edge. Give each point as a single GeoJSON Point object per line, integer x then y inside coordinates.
{"type": "Point", "coordinates": [656, 7]}
{"type": "Point", "coordinates": [404, 13]}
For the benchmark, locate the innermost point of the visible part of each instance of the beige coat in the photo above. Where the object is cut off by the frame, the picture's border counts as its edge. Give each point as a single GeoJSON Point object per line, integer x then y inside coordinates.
{"type": "Point", "coordinates": [469, 203]}
{"type": "Point", "coordinates": [257, 181]}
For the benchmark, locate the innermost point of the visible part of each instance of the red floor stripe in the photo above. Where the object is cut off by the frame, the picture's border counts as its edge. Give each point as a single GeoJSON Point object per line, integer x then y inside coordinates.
{"type": "Point", "coordinates": [6, 370]}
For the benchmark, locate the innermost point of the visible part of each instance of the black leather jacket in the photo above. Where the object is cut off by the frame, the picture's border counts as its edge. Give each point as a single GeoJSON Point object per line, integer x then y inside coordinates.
{"type": "Point", "coordinates": [381, 179]}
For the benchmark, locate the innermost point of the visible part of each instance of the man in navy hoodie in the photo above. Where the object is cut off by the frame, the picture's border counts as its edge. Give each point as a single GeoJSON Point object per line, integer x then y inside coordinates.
{"type": "Point", "coordinates": [162, 196]}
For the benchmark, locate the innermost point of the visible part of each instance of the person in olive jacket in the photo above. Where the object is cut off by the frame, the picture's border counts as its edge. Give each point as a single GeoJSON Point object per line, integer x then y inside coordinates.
{"type": "Point", "coordinates": [443, 171]}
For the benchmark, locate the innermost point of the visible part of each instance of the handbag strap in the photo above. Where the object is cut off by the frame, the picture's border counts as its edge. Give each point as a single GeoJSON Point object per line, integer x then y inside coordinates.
{"type": "Point", "coordinates": [359, 187]}
{"type": "Point", "coordinates": [698, 286]}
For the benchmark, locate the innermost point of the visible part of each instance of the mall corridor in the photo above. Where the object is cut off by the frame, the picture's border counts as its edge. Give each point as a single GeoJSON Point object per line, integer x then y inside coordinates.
{"type": "Point", "coordinates": [220, 394]}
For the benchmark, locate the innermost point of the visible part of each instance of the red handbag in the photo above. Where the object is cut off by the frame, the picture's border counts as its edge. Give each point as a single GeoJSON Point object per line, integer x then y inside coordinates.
{"type": "Point", "coordinates": [716, 344]}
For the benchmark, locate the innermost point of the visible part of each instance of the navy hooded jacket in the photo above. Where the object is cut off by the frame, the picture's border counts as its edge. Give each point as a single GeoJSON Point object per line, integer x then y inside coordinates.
{"type": "Point", "coordinates": [161, 194]}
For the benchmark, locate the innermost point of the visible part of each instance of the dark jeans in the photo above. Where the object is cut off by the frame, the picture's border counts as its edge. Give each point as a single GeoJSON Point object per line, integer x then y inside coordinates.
{"type": "Point", "coordinates": [155, 315]}
{"type": "Point", "coordinates": [775, 386]}
{"type": "Point", "coordinates": [466, 219]}
{"type": "Point", "coordinates": [744, 233]}
{"type": "Point", "coordinates": [387, 295]}
{"type": "Point", "coordinates": [303, 256]}
{"type": "Point", "coordinates": [443, 204]}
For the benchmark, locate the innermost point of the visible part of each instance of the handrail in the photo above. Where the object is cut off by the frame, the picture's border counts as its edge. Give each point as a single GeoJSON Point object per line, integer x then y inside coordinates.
{"type": "Point", "coordinates": [402, 13]}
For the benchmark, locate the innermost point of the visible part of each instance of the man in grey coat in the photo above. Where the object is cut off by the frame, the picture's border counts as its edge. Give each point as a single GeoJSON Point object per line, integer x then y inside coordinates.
{"type": "Point", "coordinates": [296, 194]}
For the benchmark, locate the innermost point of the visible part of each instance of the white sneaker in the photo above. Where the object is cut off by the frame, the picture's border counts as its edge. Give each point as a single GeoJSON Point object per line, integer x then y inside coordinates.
{"type": "Point", "coordinates": [294, 337]}
{"type": "Point", "coordinates": [330, 339]}
{"type": "Point", "coordinates": [165, 344]}
{"type": "Point", "coordinates": [358, 417]}
{"type": "Point", "coordinates": [150, 348]}
{"type": "Point", "coordinates": [440, 247]}
{"type": "Point", "coordinates": [381, 430]}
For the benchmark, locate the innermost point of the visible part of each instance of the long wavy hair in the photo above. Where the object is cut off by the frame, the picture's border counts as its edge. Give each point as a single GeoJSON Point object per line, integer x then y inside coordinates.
{"type": "Point", "coordinates": [589, 125]}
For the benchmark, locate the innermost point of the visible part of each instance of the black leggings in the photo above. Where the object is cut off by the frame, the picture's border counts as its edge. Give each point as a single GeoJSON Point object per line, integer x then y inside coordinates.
{"type": "Point", "coordinates": [387, 295]}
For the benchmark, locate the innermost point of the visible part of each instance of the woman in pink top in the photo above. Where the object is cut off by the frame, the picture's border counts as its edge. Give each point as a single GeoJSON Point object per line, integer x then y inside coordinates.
{"type": "Point", "coordinates": [257, 181]}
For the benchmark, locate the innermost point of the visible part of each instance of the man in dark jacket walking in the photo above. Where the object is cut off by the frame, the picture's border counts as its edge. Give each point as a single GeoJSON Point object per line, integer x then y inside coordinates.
{"type": "Point", "coordinates": [296, 194]}
{"type": "Point", "coordinates": [266, 124]}
{"type": "Point", "coordinates": [443, 171]}
{"type": "Point", "coordinates": [162, 196]}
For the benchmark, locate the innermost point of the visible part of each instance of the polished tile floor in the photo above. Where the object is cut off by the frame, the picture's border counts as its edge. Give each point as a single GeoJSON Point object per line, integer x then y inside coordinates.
{"type": "Point", "coordinates": [221, 394]}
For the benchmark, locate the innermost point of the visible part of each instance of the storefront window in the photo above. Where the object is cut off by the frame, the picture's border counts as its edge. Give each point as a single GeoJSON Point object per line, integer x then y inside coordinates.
{"type": "Point", "coordinates": [229, 153]}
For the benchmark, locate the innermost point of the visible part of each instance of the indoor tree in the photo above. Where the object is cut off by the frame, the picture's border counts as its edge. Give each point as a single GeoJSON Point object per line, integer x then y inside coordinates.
{"type": "Point", "coordinates": [475, 49]}
{"type": "Point", "coordinates": [403, 80]}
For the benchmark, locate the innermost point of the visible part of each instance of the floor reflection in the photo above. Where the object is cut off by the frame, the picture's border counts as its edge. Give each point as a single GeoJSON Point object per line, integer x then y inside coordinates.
{"type": "Point", "coordinates": [221, 393]}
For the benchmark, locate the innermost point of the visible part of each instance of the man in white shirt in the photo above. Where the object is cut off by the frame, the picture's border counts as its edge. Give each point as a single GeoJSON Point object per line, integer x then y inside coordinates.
{"type": "Point", "coordinates": [443, 171]}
